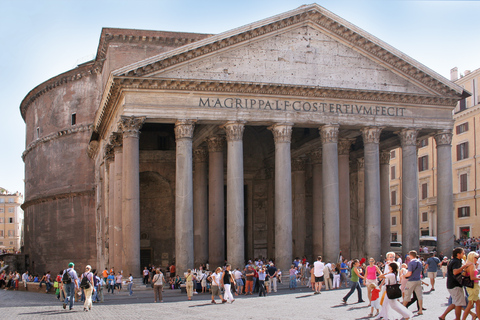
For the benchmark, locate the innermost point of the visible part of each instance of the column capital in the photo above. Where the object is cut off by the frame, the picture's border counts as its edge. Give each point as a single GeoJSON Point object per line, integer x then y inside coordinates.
{"type": "Point", "coordinates": [408, 137]}
{"type": "Point", "coordinates": [234, 130]}
{"type": "Point", "coordinates": [215, 143]}
{"type": "Point", "coordinates": [329, 133]}
{"type": "Point", "coordinates": [130, 126]}
{"type": "Point", "coordinates": [282, 132]}
{"type": "Point", "coordinates": [443, 137]}
{"type": "Point", "coordinates": [184, 129]}
{"type": "Point", "coordinates": [298, 164]}
{"type": "Point", "coordinates": [344, 146]}
{"type": "Point", "coordinates": [316, 156]}
{"type": "Point", "coordinates": [360, 163]}
{"type": "Point", "coordinates": [385, 157]}
{"type": "Point", "coordinates": [200, 154]}
{"type": "Point", "coordinates": [371, 134]}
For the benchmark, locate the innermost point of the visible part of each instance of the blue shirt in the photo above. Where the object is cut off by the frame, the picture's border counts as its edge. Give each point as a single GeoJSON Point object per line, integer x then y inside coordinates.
{"type": "Point", "coordinates": [415, 266]}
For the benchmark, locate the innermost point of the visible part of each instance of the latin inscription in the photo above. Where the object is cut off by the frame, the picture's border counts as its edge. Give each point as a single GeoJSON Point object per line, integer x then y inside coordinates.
{"type": "Point", "coordinates": [305, 106]}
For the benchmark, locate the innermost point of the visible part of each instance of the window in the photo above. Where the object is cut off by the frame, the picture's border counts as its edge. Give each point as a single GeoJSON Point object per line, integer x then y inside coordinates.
{"type": "Point", "coordinates": [394, 221]}
{"type": "Point", "coordinates": [464, 212]}
{"type": "Point", "coordinates": [423, 163]}
{"type": "Point", "coordinates": [10, 220]}
{"type": "Point", "coordinates": [393, 198]}
{"type": "Point", "coordinates": [423, 143]}
{"type": "Point", "coordinates": [462, 151]}
{"type": "Point", "coordinates": [424, 216]}
{"type": "Point", "coordinates": [463, 183]}
{"type": "Point", "coordinates": [394, 236]}
{"type": "Point", "coordinates": [424, 191]}
{"type": "Point", "coordinates": [392, 154]}
{"type": "Point", "coordinates": [74, 119]}
{"type": "Point", "coordinates": [392, 173]}
{"type": "Point", "coordinates": [11, 233]}
{"type": "Point", "coordinates": [461, 128]}
{"type": "Point", "coordinates": [10, 210]}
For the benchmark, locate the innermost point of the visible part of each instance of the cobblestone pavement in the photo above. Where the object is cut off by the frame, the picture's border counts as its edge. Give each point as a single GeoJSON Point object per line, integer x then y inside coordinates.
{"type": "Point", "coordinates": [285, 304]}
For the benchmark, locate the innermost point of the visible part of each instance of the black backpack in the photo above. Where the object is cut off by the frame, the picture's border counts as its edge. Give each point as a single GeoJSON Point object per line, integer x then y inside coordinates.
{"type": "Point", "coordinates": [66, 278]}
{"type": "Point", "coordinates": [85, 284]}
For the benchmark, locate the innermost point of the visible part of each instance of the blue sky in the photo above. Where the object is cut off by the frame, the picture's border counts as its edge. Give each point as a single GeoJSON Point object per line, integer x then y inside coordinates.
{"type": "Point", "coordinates": [42, 38]}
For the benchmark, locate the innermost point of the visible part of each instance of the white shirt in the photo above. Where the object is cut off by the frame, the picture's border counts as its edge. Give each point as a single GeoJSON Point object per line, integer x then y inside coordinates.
{"type": "Point", "coordinates": [318, 267]}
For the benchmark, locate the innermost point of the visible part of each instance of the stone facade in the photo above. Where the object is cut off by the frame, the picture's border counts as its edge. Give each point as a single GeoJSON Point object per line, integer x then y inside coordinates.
{"type": "Point", "coordinates": [278, 108]}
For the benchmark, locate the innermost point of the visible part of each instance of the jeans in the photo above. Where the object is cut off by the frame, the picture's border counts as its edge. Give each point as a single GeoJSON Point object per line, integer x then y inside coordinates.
{"type": "Point", "coordinates": [130, 291]}
{"type": "Point", "coordinates": [70, 294]}
{"type": "Point", "coordinates": [355, 285]}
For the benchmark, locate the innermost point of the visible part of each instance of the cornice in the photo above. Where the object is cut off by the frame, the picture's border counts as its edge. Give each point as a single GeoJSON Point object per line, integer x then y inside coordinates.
{"type": "Point", "coordinates": [56, 135]}
{"type": "Point", "coordinates": [54, 197]}
{"type": "Point", "coordinates": [319, 16]}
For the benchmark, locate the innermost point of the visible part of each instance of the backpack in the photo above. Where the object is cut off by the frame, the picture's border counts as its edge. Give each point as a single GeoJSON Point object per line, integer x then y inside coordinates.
{"type": "Point", "coordinates": [85, 284]}
{"type": "Point", "coordinates": [66, 278]}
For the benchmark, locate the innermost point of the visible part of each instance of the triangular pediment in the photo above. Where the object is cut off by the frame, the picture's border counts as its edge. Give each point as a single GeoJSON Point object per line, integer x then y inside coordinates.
{"type": "Point", "coordinates": [308, 46]}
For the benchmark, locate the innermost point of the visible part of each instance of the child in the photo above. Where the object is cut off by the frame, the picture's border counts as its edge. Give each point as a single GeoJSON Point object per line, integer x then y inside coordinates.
{"type": "Point", "coordinates": [375, 301]}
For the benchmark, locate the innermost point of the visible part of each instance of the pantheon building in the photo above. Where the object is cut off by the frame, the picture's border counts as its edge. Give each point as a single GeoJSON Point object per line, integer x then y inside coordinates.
{"type": "Point", "coordinates": [269, 140]}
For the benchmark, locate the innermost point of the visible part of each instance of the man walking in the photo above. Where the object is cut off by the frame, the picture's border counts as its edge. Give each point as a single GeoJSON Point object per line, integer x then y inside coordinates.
{"type": "Point", "coordinates": [453, 286]}
{"type": "Point", "coordinates": [70, 284]}
{"type": "Point", "coordinates": [414, 283]}
{"type": "Point", "coordinates": [432, 267]}
{"type": "Point", "coordinates": [318, 268]}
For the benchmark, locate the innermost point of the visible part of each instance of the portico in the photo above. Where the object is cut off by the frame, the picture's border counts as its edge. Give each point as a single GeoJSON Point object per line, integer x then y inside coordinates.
{"type": "Point", "coordinates": [203, 127]}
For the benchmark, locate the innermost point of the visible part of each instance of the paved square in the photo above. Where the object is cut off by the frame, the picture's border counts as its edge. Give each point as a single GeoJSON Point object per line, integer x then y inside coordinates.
{"type": "Point", "coordinates": [285, 304]}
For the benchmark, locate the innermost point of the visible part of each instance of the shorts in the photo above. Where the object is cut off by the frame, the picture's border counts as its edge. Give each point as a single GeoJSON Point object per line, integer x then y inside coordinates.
{"type": "Point", "coordinates": [369, 281]}
{"type": "Point", "coordinates": [375, 303]}
{"type": "Point", "coordinates": [318, 279]}
{"type": "Point", "coordinates": [215, 291]}
{"type": "Point", "coordinates": [432, 275]}
{"type": "Point", "coordinates": [473, 292]}
{"type": "Point", "coordinates": [458, 297]}
{"type": "Point", "coordinates": [411, 287]}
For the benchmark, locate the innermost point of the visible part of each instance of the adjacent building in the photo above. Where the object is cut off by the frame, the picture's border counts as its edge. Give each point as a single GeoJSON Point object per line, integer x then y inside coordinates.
{"type": "Point", "coordinates": [465, 169]}
{"type": "Point", "coordinates": [269, 140]}
{"type": "Point", "coordinates": [11, 221]}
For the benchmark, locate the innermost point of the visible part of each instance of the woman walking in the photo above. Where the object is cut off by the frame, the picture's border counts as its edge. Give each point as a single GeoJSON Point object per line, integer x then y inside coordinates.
{"type": "Point", "coordinates": [158, 280]}
{"type": "Point", "coordinates": [189, 283]}
{"type": "Point", "coordinates": [216, 280]}
{"type": "Point", "coordinates": [227, 280]}
{"type": "Point", "coordinates": [392, 308]}
{"type": "Point", "coordinates": [355, 278]}
{"type": "Point", "coordinates": [371, 277]}
{"type": "Point", "coordinates": [472, 272]}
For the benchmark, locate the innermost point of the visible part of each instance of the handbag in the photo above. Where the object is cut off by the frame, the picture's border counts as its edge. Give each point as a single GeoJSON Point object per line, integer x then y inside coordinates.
{"type": "Point", "coordinates": [464, 280]}
{"type": "Point", "coordinates": [393, 291]}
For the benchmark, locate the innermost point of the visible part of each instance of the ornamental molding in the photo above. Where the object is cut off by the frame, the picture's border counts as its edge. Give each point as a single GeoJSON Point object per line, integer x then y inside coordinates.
{"type": "Point", "coordinates": [234, 130]}
{"type": "Point", "coordinates": [184, 129]}
{"type": "Point", "coordinates": [298, 164]}
{"type": "Point", "coordinates": [408, 137]}
{"type": "Point", "coordinates": [344, 146]}
{"type": "Point", "coordinates": [282, 132]}
{"type": "Point", "coordinates": [443, 138]}
{"type": "Point", "coordinates": [54, 136]}
{"type": "Point", "coordinates": [371, 134]}
{"type": "Point", "coordinates": [329, 133]}
{"type": "Point", "coordinates": [215, 143]}
{"type": "Point", "coordinates": [385, 157]}
{"type": "Point", "coordinates": [55, 197]}
{"type": "Point", "coordinates": [316, 156]}
{"type": "Point", "coordinates": [130, 127]}
{"type": "Point", "coordinates": [200, 154]}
